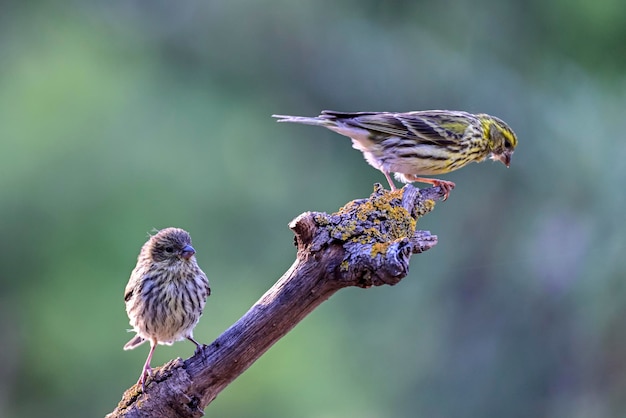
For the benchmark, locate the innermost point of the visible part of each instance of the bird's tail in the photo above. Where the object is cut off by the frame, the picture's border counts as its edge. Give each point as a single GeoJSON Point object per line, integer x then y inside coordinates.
{"type": "Point", "coordinates": [136, 341]}
{"type": "Point", "coordinates": [318, 120]}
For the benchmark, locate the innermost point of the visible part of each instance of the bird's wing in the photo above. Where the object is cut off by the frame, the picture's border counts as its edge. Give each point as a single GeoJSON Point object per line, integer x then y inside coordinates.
{"type": "Point", "coordinates": [441, 128]}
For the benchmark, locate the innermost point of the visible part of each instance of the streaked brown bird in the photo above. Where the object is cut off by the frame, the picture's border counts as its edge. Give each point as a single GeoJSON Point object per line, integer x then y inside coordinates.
{"type": "Point", "coordinates": [414, 144]}
{"type": "Point", "coordinates": [166, 293]}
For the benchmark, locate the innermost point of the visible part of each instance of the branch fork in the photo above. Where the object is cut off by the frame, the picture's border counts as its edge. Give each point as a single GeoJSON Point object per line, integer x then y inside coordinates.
{"type": "Point", "coordinates": [367, 243]}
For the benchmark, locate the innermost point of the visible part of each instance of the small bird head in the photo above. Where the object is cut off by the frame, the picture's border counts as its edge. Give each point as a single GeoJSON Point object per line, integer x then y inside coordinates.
{"type": "Point", "coordinates": [171, 245]}
{"type": "Point", "coordinates": [502, 139]}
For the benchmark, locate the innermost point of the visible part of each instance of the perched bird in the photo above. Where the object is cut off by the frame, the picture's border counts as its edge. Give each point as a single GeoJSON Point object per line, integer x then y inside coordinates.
{"type": "Point", "coordinates": [414, 144]}
{"type": "Point", "coordinates": [166, 293]}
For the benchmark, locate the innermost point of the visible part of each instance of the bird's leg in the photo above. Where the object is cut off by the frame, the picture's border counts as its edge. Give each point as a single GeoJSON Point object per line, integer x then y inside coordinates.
{"type": "Point", "coordinates": [147, 370]}
{"type": "Point", "coordinates": [445, 185]}
{"type": "Point", "coordinates": [199, 347]}
{"type": "Point", "coordinates": [391, 183]}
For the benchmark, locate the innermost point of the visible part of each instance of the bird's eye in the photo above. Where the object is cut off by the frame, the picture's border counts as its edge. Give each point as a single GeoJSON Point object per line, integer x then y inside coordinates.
{"type": "Point", "coordinates": [169, 249]}
{"type": "Point", "coordinates": [507, 144]}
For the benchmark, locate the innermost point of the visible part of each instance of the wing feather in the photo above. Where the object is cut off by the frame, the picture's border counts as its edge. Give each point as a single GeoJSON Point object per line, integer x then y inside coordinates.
{"type": "Point", "coordinates": [440, 128]}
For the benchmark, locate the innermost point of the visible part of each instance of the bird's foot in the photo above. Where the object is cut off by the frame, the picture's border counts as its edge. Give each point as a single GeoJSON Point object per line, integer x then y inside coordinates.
{"type": "Point", "coordinates": [200, 348]}
{"type": "Point", "coordinates": [446, 186]}
{"type": "Point", "coordinates": [145, 373]}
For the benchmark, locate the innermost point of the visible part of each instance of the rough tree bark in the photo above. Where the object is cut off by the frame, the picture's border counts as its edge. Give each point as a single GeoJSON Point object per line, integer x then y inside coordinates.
{"type": "Point", "coordinates": [366, 243]}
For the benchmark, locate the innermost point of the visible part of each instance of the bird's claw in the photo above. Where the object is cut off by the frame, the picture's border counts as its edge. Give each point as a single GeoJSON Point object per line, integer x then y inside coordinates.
{"type": "Point", "coordinates": [200, 348]}
{"type": "Point", "coordinates": [446, 187]}
{"type": "Point", "coordinates": [147, 372]}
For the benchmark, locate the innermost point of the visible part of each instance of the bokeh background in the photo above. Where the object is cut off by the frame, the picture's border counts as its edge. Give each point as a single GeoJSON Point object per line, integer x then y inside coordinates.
{"type": "Point", "coordinates": [122, 116]}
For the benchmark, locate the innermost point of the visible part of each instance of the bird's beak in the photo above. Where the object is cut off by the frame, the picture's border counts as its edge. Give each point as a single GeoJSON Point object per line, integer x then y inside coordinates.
{"type": "Point", "coordinates": [505, 158]}
{"type": "Point", "coordinates": [187, 252]}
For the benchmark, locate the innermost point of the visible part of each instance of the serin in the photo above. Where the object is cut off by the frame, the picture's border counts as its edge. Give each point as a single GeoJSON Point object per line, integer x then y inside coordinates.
{"type": "Point", "coordinates": [166, 293]}
{"type": "Point", "coordinates": [415, 144]}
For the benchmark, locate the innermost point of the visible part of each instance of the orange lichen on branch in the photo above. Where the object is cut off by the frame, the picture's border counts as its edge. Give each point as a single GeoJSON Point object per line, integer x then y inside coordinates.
{"type": "Point", "coordinates": [377, 221]}
{"type": "Point", "coordinates": [382, 227]}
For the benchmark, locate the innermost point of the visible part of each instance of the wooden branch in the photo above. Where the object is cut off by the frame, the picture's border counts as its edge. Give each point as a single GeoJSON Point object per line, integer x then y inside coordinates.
{"type": "Point", "coordinates": [367, 243]}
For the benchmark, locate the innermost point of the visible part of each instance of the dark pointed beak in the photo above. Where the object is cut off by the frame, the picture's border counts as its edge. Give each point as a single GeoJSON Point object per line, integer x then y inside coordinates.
{"type": "Point", "coordinates": [187, 252]}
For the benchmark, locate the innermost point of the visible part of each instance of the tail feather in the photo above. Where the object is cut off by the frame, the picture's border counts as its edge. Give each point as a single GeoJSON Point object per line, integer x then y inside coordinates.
{"type": "Point", "coordinates": [318, 121]}
{"type": "Point", "coordinates": [335, 121]}
{"type": "Point", "coordinates": [332, 114]}
{"type": "Point", "coordinates": [327, 118]}
{"type": "Point", "coordinates": [134, 342]}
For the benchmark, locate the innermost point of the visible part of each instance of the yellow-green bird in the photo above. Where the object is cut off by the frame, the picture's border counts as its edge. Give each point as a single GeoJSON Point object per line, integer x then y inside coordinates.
{"type": "Point", "coordinates": [414, 144]}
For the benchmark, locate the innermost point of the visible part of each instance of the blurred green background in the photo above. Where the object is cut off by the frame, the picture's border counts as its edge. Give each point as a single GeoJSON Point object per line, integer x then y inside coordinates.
{"type": "Point", "coordinates": [122, 116]}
